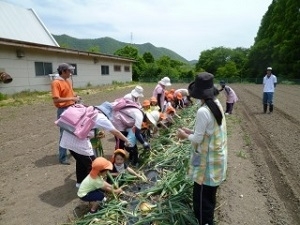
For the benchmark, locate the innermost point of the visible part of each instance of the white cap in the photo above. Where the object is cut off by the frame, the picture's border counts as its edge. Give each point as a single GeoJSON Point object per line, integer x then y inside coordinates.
{"type": "Point", "coordinates": [137, 92]}
{"type": "Point", "coordinates": [269, 68]}
{"type": "Point", "coordinates": [153, 116]}
{"type": "Point", "coordinates": [165, 81]}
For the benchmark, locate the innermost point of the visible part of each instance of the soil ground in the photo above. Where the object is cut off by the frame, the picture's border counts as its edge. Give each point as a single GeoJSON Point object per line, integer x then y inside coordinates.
{"type": "Point", "coordinates": [263, 172]}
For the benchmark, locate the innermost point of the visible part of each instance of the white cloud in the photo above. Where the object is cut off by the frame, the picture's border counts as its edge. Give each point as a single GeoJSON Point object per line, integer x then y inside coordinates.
{"type": "Point", "coordinates": [186, 27]}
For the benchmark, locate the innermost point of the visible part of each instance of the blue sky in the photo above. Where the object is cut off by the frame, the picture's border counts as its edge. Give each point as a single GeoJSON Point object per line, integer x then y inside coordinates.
{"type": "Point", "coordinates": [186, 27]}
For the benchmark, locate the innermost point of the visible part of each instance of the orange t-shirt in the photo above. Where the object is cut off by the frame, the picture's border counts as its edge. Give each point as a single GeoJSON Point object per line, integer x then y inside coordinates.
{"type": "Point", "coordinates": [62, 89]}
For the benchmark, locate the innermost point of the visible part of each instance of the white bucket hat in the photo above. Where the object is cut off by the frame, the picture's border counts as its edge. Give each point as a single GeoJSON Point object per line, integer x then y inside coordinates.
{"type": "Point", "coordinates": [153, 116]}
{"type": "Point", "coordinates": [137, 92]}
{"type": "Point", "coordinates": [165, 81]}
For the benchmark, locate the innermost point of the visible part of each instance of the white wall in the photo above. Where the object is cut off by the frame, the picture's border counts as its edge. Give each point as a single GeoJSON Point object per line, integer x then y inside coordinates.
{"type": "Point", "coordinates": [22, 70]}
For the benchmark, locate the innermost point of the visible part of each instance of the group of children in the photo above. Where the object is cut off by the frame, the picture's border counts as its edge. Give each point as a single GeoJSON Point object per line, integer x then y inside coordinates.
{"type": "Point", "coordinates": [96, 183]}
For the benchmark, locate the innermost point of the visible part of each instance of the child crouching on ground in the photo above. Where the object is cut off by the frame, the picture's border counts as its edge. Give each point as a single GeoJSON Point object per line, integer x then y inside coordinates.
{"type": "Point", "coordinates": [92, 187]}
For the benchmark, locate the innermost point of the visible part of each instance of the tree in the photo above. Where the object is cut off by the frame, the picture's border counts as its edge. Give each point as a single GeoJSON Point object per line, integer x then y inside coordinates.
{"type": "Point", "coordinates": [94, 49]}
{"type": "Point", "coordinates": [223, 62]}
{"type": "Point", "coordinates": [148, 57]}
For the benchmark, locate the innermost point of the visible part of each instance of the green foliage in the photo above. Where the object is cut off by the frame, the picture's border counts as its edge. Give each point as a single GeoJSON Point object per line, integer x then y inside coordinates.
{"type": "Point", "coordinates": [229, 70]}
{"type": "Point", "coordinates": [94, 49]}
{"type": "Point", "coordinates": [148, 57]}
{"type": "Point", "coordinates": [223, 62]}
{"type": "Point", "coordinates": [3, 96]}
{"type": "Point", "coordinates": [277, 41]}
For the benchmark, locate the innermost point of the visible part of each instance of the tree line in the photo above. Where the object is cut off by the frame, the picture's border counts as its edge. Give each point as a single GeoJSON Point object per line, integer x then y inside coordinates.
{"type": "Point", "coordinates": [277, 44]}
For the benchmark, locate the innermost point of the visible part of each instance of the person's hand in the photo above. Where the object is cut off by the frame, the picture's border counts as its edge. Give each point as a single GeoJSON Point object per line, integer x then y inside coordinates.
{"type": "Point", "coordinates": [146, 145]}
{"type": "Point", "coordinates": [118, 191]}
{"type": "Point", "coordinates": [187, 130]}
{"type": "Point", "coordinates": [77, 99]}
{"type": "Point", "coordinates": [181, 134]}
{"type": "Point", "coordinates": [128, 144]}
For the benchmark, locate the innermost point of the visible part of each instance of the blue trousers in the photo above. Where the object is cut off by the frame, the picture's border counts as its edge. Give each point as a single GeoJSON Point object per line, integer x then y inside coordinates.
{"type": "Point", "coordinates": [93, 196]}
{"type": "Point", "coordinates": [62, 152]}
{"type": "Point", "coordinates": [268, 98]}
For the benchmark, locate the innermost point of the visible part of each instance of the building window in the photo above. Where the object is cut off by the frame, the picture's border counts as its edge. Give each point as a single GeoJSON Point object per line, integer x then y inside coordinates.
{"type": "Point", "coordinates": [75, 70]}
{"type": "Point", "coordinates": [127, 68]}
{"type": "Point", "coordinates": [117, 68]}
{"type": "Point", "coordinates": [104, 70]}
{"type": "Point", "coordinates": [43, 68]}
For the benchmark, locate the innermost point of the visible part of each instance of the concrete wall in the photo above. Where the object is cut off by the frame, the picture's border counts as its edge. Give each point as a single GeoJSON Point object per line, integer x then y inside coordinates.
{"type": "Point", "coordinates": [22, 69]}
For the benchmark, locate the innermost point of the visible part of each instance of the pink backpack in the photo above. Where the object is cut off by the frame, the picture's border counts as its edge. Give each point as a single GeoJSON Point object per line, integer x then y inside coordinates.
{"type": "Point", "coordinates": [78, 120]}
{"type": "Point", "coordinates": [122, 103]}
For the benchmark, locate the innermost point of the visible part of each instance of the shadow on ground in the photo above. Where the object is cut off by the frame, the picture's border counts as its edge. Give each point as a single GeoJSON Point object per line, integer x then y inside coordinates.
{"type": "Point", "coordinates": [47, 160]}
{"type": "Point", "coordinates": [61, 195]}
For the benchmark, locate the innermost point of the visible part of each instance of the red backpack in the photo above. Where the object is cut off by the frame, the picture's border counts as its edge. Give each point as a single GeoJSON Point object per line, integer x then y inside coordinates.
{"type": "Point", "coordinates": [78, 120]}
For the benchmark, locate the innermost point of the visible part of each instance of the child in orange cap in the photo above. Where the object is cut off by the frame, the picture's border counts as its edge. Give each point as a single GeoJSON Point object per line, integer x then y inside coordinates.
{"type": "Point", "coordinates": [119, 164]}
{"type": "Point", "coordinates": [146, 106]}
{"type": "Point", "coordinates": [153, 104]}
{"type": "Point", "coordinates": [178, 100]}
{"type": "Point", "coordinates": [169, 101]}
{"type": "Point", "coordinates": [171, 112]}
{"type": "Point", "coordinates": [92, 187]}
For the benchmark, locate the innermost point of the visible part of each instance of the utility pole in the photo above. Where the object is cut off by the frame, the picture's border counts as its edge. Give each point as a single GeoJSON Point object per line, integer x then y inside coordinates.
{"type": "Point", "coordinates": [131, 38]}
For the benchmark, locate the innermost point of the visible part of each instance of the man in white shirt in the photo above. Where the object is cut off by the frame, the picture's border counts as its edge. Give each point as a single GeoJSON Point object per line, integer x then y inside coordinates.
{"type": "Point", "coordinates": [269, 84]}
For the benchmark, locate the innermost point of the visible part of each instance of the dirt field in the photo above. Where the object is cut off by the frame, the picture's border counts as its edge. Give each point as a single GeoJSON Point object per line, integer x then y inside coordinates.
{"type": "Point", "coordinates": [263, 179]}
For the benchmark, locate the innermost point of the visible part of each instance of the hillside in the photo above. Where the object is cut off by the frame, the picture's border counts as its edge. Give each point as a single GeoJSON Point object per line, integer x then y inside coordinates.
{"type": "Point", "coordinates": [109, 46]}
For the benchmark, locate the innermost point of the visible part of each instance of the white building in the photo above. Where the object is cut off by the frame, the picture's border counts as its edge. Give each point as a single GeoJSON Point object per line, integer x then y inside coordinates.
{"type": "Point", "coordinates": [30, 55]}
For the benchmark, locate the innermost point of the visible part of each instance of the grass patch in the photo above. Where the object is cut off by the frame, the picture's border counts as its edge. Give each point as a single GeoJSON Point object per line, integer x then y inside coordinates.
{"type": "Point", "coordinates": [241, 154]}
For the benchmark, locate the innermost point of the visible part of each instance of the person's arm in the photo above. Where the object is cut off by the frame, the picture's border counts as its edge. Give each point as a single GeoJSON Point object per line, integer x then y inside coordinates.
{"type": "Point", "coordinates": [200, 127]}
{"type": "Point", "coordinates": [119, 135]}
{"type": "Point", "coordinates": [131, 171]}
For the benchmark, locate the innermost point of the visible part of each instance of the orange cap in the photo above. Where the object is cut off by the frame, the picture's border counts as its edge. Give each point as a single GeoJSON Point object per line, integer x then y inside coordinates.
{"type": "Point", "coordinates": [179, 96]}
{"type": "Point", "coordinates": [153, 99]}
{"type": "Point", "coordinates": [146, 103]}
{"type": "Point", "coordinates": [170, 97]}
{"type": "Point", "coordinates": [172, 90]}
{"type": "Point", "coordinates": [100, 164]}
{"type": "Point", "coordinates": [121, 151]}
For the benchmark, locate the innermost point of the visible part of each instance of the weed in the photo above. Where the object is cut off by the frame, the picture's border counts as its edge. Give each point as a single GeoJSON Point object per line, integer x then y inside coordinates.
{"type": "Point", "coordinates": [241, 154]}
{"type": "Point", "coordinates": [247, 139]}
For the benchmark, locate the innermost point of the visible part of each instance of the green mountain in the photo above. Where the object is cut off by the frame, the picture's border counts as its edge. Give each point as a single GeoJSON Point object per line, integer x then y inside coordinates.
{"type": "Point", "coordinates": [107, 45]}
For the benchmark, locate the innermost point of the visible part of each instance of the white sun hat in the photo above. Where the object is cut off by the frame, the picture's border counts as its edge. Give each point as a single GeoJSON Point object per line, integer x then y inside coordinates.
{"type": "Point", "coordinates": [269, 68]}
{"type": "Point", "coordinates": [137, 92]}
{"type": "Point", "coordinates": [153, 116]}
{"type": "Point", "coordinates": [165, 81]}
